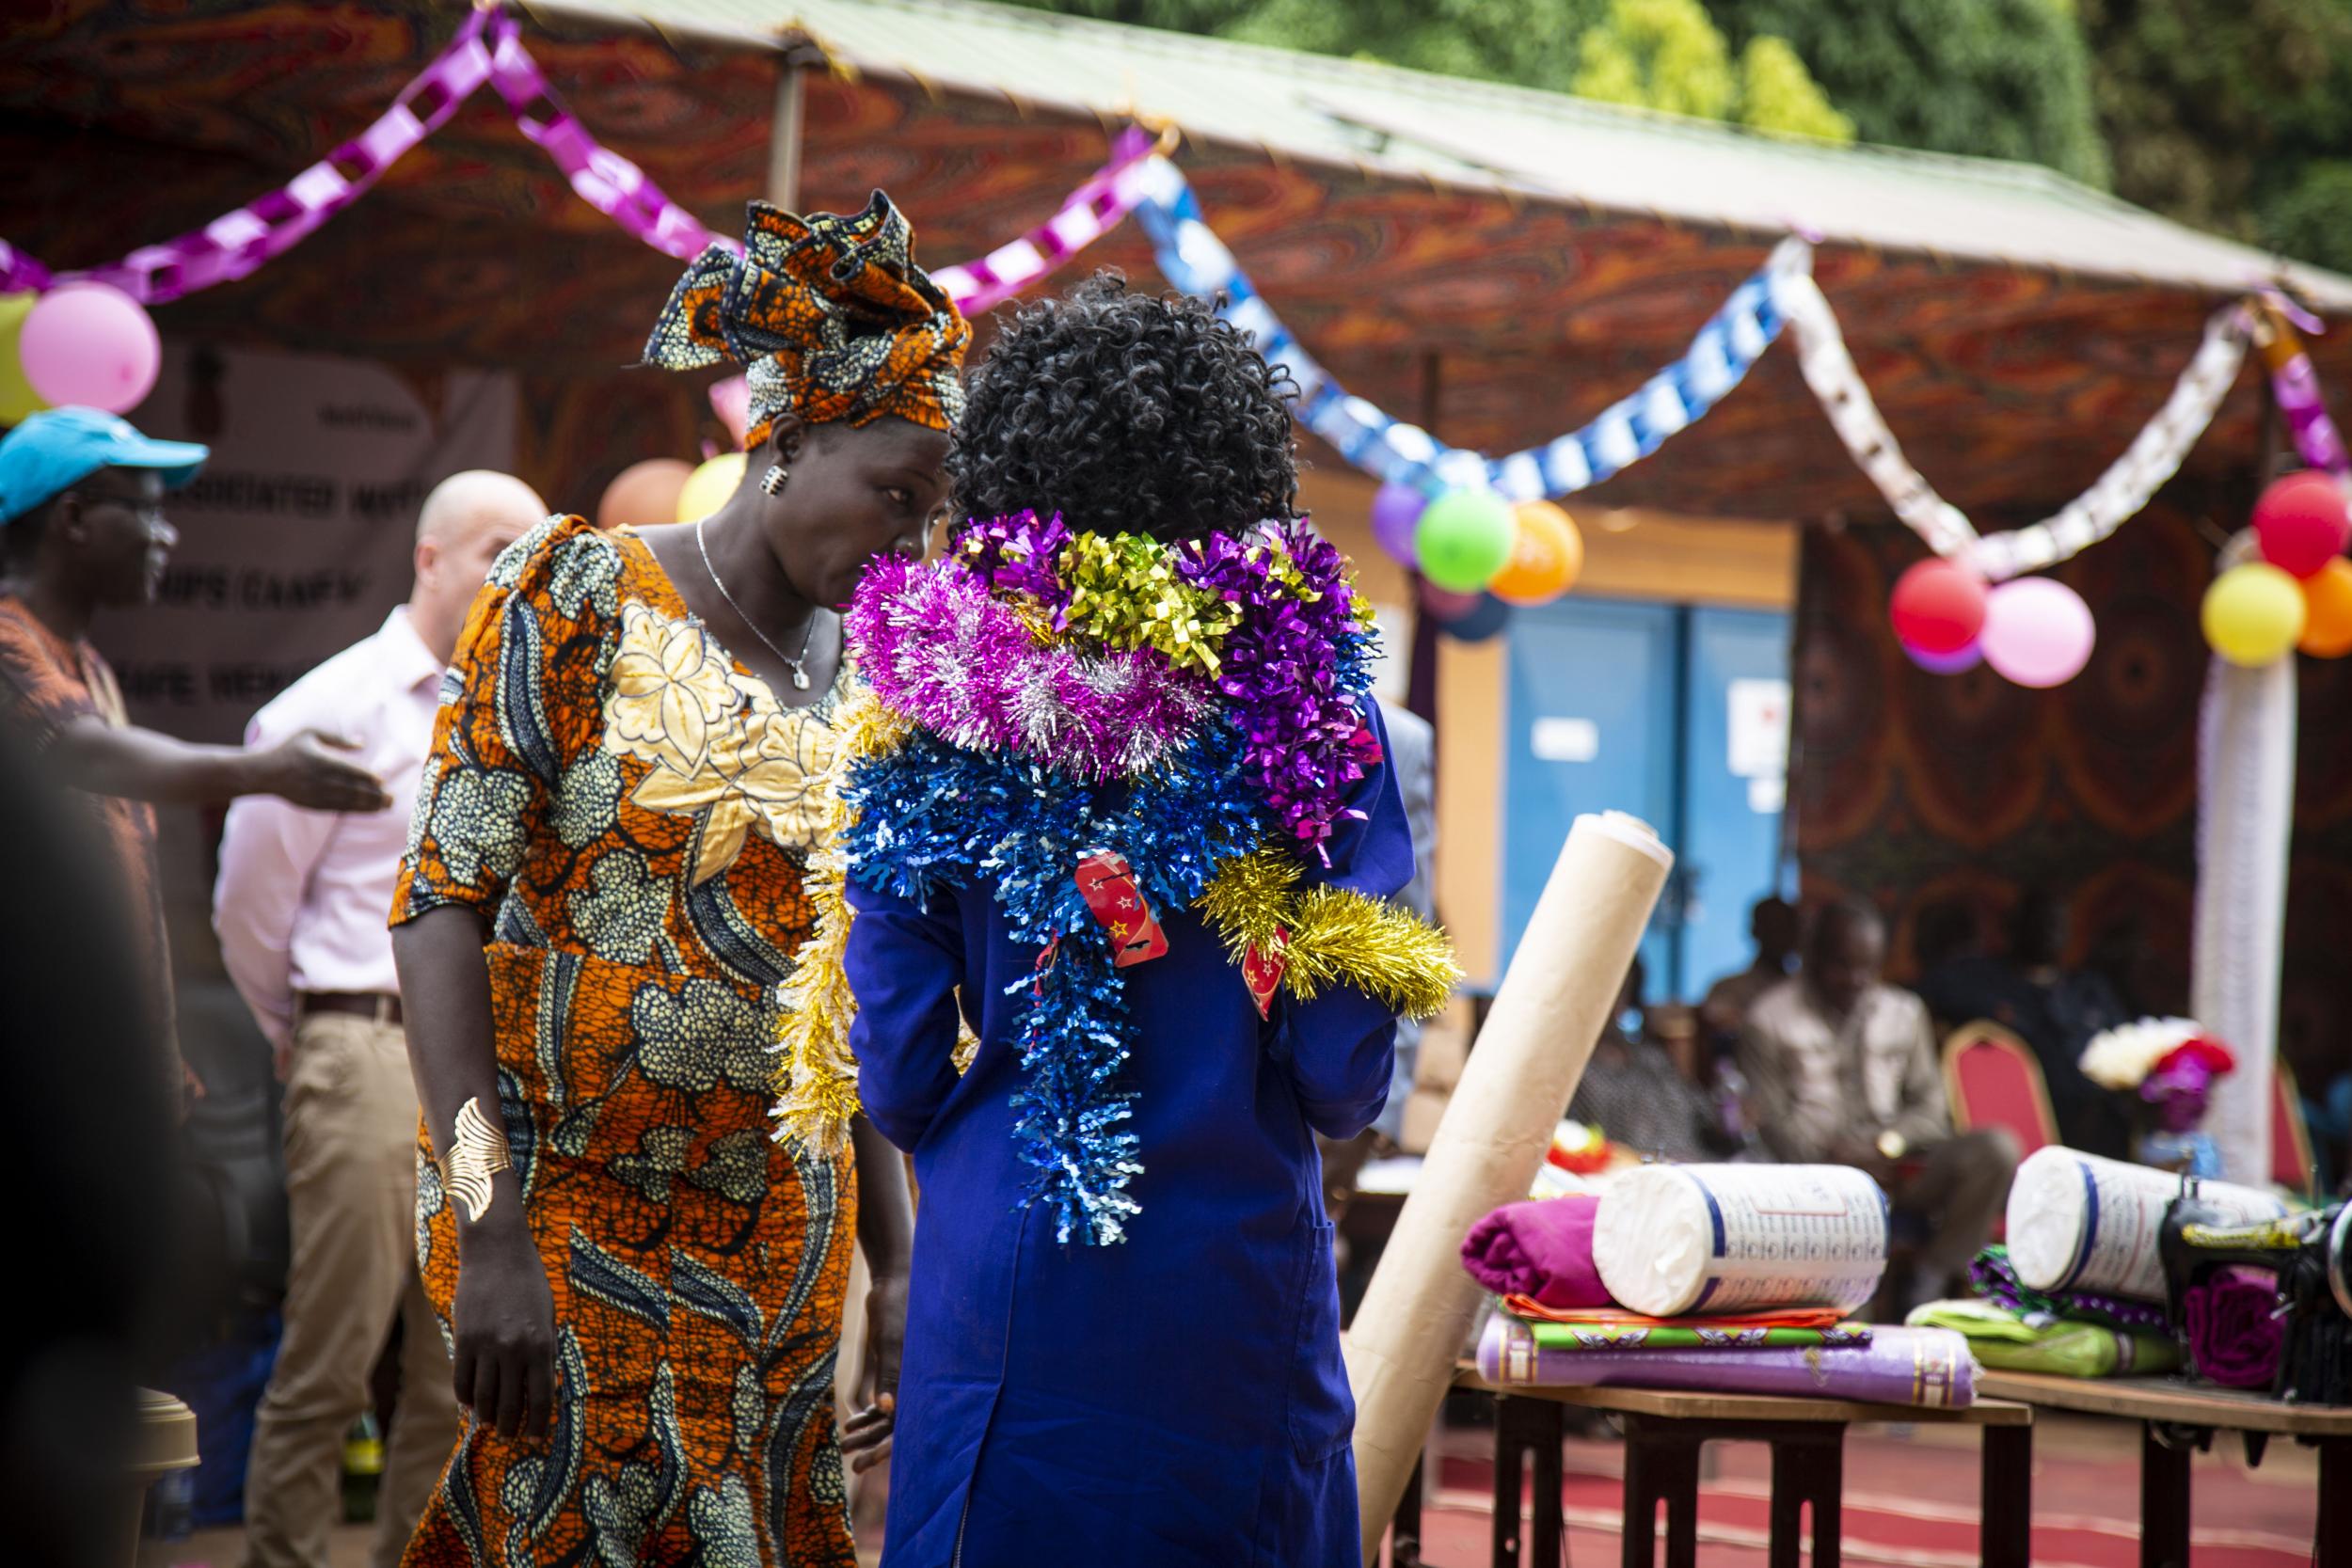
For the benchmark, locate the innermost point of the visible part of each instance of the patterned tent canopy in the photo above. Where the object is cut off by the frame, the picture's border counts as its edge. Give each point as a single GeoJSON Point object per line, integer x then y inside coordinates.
{"type": "Point", "coordinates": [1499, 263]}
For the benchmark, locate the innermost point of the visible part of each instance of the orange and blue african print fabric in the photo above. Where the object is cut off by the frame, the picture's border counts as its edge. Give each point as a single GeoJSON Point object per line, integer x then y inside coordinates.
{"type": "Point", "coordinates": [829, 317]}
{"type": "Point", "coordinates": [627, 807]}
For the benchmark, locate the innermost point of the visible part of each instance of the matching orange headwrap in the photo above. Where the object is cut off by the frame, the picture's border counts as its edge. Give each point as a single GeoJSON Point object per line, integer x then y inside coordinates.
{"type": "Point", "coordinates": [827, 314]}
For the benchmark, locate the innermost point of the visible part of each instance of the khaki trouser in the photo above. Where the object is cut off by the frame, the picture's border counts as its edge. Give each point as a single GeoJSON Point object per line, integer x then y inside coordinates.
{"type": "Point", "coordinates": [351, 1183]}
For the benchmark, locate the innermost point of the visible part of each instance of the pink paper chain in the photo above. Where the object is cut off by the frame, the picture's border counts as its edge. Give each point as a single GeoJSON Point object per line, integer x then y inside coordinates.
{"type": "Point", "coordinates": [2295, 383]}
{"type": "Point", "coordinates": [489, 48]}
{"type": "Point", "coordinates": [236, 244]}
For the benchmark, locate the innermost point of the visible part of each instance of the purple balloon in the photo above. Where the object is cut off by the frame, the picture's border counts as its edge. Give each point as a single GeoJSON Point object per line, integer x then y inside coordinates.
{"type": "Point", "coordinates": [1944, 664]}
{"type": "Point", "coordinates": [1396, 510]}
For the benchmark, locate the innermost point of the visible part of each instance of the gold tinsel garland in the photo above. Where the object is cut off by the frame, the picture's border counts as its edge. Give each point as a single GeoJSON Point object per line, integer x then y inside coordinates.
{"type": "Point", "coordinates": [1328, 936]}
{"type": "Point", "coordinates": [1125, 593]}
{"type": "Point", "coordinates": [815, 1075]}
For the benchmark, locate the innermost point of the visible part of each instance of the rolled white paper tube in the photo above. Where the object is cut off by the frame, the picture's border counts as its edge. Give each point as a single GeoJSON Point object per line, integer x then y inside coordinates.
{"type": "Point", "coordinates": [1675, 1238]}
{"type": "Point", "coordinates": [1562, 982]}
{"type": "Point", "coordinates": [2078, 1222]}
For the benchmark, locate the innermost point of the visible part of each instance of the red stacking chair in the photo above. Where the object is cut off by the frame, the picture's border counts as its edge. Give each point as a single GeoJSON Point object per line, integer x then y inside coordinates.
{"type": "Point", "coordinates": [2290, 1134]}
{"type": "Point", "coordinates": [1992, 1080]}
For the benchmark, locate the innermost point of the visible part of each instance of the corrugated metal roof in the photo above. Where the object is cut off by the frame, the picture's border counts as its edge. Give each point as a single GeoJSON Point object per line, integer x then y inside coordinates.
{"type": "Point", "coordinates": [1538, 145]}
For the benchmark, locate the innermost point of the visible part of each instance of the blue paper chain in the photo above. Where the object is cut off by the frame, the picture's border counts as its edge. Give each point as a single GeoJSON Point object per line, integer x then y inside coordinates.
{"type": "Point", "coordinates": [1197, 262]}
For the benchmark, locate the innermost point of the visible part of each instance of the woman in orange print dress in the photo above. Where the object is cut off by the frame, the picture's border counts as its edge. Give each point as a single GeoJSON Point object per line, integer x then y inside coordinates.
{"type": "Point", "coordinates": [601, 898]}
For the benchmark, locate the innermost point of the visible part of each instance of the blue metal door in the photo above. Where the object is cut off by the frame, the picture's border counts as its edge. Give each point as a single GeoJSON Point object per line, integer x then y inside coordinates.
{"type": "Point", "coordinates": [1589, 727]}
{"type": "Point", "coordinates": [1677, 714]}
{"type": "Point", "coordinates": [1734, 781]}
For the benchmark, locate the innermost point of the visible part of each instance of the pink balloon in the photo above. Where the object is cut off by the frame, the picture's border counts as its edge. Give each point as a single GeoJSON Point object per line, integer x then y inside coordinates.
{"type": "Point", "coordinates": [89, 343]}
{"type": "Point", "coordinates": [1945, 664]}
{"type": "Point", "coordinates": [1396, 510]}
{"type": "Point", "coordinates": [2038, 632]}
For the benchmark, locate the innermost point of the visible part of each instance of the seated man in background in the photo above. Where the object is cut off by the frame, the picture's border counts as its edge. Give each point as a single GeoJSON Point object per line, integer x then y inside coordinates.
{"type": "Point", "coordinates": [2055, 1009]}
{"type": "Point", "coordinates": [1632, 1091]}
{"type": "Point", "coordinates": [1772, 925]}
{"type": "Point", "coordinates": [1842, 1069]}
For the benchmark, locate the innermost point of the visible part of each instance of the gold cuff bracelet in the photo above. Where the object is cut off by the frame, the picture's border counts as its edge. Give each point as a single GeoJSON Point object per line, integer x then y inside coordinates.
{"type": "Point", "coordinates": [477, 1152]}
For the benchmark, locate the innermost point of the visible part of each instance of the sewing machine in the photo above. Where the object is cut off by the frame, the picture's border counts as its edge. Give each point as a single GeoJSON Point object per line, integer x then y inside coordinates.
{"type": "Point", "coordinates": [2310, 1256]}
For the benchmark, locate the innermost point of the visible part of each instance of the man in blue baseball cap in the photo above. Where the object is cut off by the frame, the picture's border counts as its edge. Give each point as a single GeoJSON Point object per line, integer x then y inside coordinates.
{"type": "Point", "coordinates": [82, 527]}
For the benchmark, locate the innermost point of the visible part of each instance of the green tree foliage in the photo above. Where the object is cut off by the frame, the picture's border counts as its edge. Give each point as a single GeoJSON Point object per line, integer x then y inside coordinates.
{"type": "Point", "coordinates": [1659, 54]}
{"type": "Point", "coordinates": [2232, 115]}
{"type": "Point", "coordinates": [1996, 78]}
{"type": "Point", "coordinates": [1777, 93]}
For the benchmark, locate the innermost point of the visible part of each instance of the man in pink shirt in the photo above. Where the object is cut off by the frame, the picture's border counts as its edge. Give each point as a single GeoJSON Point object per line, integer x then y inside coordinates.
{"type": "Point", "coordinates": [300, 908]}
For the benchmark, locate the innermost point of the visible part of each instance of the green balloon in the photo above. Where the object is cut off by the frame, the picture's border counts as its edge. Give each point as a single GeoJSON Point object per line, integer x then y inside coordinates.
{"type": "Point", "coordinates": [1464, 538]}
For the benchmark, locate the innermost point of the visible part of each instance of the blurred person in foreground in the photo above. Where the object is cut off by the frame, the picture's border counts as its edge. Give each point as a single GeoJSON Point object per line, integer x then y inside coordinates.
{"type": "Point", "coordinates": [299, 908]}
{"type": "Point", "coordinates": [82, 527]}
{"type": "Point", "coordinates": [1123, 1345]}
{"type": "Point", "coordinates": [607, 882]}
{"type": "Point", "coordinates": [88, 1127]}
{"type": "Point", "coordinates": [1842, 1069]}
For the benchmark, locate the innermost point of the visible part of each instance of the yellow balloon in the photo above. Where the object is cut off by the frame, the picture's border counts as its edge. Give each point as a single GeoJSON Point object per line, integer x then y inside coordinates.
{"type": "Point", "coordinates": [2254, 613]}
{"type": "Point", "coordinates": [709, 486]}
{"type": "Point", "coordinates": [17, 397]}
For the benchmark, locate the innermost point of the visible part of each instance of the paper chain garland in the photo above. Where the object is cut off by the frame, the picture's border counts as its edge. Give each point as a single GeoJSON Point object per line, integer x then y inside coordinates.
{"type": "Point", "coordinates": [488, 49]}
{"type": "Point", "coordinates": [1782, 293]}
{"type": "Point", "coordinates": [2154, 455]}
{"type": "Point", "coordinates": [1196, 261]}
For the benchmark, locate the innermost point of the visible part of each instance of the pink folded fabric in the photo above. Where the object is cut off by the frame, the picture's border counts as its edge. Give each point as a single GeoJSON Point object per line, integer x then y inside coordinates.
{"type": "Point", "coordinates": [1541, 1249]}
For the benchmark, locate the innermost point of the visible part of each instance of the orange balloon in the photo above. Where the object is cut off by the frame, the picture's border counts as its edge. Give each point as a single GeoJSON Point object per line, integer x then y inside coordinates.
{"type": "Point", "coordinates": [2328, 610]}
{"type": "Point", "coordinates": [1547, 553]}
{"type": "Point", "coordinates": [643, 494]}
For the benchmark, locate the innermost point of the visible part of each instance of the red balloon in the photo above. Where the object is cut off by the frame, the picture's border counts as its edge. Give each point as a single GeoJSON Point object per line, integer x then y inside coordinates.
{"type": "Point", "coordinates": [1937, 608]}
{"type": "Point", "coordinates": [2302, 522]}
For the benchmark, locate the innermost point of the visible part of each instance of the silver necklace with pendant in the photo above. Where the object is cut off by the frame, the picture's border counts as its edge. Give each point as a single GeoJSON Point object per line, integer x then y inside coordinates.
{"type": "Point", "coordinates": [800, 670]}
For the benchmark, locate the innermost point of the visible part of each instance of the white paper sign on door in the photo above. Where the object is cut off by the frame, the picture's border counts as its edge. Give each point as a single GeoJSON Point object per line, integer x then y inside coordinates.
{"type": "Point", "coordinates": [1757, 728]}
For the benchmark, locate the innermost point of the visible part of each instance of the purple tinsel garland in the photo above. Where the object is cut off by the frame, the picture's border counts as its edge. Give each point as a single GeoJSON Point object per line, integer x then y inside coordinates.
{"type": "Point", "coordinates": [935, 645]}
{"type": "Point", "coordinates": [1292, 671]}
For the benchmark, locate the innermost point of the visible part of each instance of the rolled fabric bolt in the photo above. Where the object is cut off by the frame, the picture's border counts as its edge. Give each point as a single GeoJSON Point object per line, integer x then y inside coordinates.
{"type": "Point", "coordinates": [2081, 1223]}
{"type": "Point", "coordinates": [2235, 1335]}
{"type": "Point", "coordinates": [1926, 1367]}
{"type": "Point", "coordinates": [1563, 981]}
{"type": "Point", "coordinates": [1694, 1238]}
{"type": "Point", "coordinates": [1542, 1249]}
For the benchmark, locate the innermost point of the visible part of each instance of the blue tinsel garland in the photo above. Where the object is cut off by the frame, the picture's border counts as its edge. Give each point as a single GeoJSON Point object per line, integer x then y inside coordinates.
{"type": "Point", "coordinates": [930, 817]}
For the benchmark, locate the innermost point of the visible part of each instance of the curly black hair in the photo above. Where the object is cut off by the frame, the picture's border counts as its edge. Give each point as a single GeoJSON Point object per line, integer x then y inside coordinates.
{"type": "Point", "coordinates": [1126, 413]}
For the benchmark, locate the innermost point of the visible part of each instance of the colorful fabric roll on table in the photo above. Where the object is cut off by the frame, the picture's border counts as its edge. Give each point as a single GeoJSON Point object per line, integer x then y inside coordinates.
{"type": "Point", "coordinates": [1613, 1337]}
{"type": "Point", "coordinates": [1994, 1277]}
{"type": "Point", "coordinates": [2037, 1342]}
{"type": "Point", "coordinates": [1930, 1368]}
{"type": "Point", "coordinates": [1541, 1250]}
{"type": "Point", "coordinates": [1617, 1317]}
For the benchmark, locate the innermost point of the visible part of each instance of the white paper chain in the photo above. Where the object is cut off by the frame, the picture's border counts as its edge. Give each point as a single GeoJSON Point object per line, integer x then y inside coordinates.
{"type": "Point", "coordinates": [2154, 455]}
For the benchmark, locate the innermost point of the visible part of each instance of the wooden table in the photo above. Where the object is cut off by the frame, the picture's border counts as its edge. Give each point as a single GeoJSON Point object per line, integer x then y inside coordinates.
{"type": "Point", "coordinates": [2176, 1416]}
{"type": "Point", "coordinates": [1664, 1430]}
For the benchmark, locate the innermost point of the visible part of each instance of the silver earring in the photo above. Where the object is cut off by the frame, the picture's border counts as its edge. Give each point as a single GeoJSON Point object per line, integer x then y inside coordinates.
{"type": "Point", "coordinates": [772, 481]}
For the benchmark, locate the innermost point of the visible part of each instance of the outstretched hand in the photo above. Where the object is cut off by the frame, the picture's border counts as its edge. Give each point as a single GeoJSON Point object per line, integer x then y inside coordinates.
{"type": "Point", "coordinates": [307, 771]}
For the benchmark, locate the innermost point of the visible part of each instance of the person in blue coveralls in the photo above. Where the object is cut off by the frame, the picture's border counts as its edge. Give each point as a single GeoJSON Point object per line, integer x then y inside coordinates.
{"type": "Point", "coordinates": [1119, 821]}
